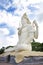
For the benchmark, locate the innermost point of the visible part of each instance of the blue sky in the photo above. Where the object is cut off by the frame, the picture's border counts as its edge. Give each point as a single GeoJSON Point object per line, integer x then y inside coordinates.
{"type": "Point", "coordinates": [10, 29]}
{"type": "Point", "coordinates": [11, 12]}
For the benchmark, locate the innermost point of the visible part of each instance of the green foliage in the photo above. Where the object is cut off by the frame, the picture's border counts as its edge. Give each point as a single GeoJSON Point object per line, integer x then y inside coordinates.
{"type": "Point", "coordinates": [42, 47]}
{"type": "Point", "coordinates": [36, 46]}
{"type": "Point", "coordinates": [9, 47]}
{"type": "Point", "coordinates": [2, 50]}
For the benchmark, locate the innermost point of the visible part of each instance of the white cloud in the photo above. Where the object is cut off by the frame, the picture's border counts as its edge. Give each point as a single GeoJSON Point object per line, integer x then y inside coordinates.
{"type": "Point", "coordinates": [25, 3]}
{"type": "Point", "coordinates": [8, 40]}
{"type": "Point", "coordinates": [9, 18]}
{"type": "Point", "coordinates": [22, 6]}
{"type": "Point", "coordinates": [34, 1]}
{"type": "Point", "coordinates": [5, 3]}
{"type": "Point", "coordinates": [13, 21]}
{"type": "Point", "coordinates": [5, 31]}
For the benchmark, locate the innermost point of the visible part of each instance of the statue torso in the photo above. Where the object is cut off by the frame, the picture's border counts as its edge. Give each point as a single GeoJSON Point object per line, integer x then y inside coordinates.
{"type": "Point", "coordinates": [26, 32]}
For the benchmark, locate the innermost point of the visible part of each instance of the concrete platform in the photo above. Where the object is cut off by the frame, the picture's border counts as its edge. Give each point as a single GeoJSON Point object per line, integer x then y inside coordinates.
{"type": "Point", "coordinates": [5, 64]}
{"type": "Point", "coordinates": [27, 61]}
{"type": "Point", "coordinates": [30, 58]}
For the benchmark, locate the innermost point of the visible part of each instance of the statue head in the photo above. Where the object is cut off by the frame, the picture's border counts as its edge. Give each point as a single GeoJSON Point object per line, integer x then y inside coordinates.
{"type": "Point", "coordinates": [25, 20]}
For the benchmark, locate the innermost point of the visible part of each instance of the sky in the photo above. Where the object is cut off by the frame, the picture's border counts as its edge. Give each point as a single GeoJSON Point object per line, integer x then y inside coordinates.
{"type": "Point", "coordinates": [11, 12]}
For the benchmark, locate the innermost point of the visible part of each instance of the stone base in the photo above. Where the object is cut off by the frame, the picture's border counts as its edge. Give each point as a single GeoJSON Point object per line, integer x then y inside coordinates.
{"type": "Point", "coordinates": [32, 60]}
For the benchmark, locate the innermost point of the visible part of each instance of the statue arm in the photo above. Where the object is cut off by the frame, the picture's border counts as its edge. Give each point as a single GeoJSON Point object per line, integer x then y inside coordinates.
{"type": "Point", "coordinates": [36, 32]}
{"type": "Point", "coordinates": [19, 31]}
{"type": "Point", "coordinates": [20, 28]}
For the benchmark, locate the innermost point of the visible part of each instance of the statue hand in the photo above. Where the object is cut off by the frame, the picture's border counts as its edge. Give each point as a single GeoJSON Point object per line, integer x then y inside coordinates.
{"type": "Point", "coordinates": [19, 31]}
{"type": "Point", "coordinates": [36, 32]}
{"type": "Point", "coordinates": [34, 22]}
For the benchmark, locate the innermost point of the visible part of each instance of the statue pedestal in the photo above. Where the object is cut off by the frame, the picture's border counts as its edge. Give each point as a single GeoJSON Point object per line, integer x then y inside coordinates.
{"type": "Point", "coordinates": [31, 60]}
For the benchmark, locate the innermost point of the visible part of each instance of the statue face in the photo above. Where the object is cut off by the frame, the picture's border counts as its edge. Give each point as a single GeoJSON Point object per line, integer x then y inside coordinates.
{"type": "Point", "coordinates": [23, 21]}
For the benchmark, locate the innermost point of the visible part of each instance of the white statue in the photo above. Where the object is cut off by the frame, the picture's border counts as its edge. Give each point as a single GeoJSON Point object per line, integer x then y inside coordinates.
{"type": "Point", "coordinates": [27, 32]}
